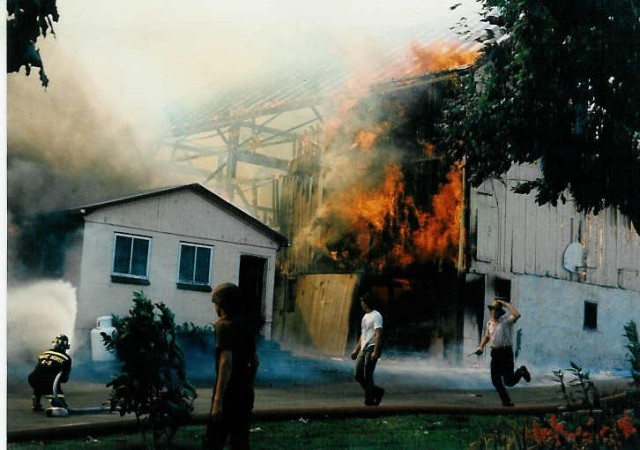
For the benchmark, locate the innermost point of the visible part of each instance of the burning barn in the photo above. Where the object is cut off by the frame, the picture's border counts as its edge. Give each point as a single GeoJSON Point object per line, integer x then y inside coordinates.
{"type": "Point", "coordinates": [352, 177]}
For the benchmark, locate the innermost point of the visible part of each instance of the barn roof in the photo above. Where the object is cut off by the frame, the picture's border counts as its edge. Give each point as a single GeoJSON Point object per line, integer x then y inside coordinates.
{"type": "Point", "coordinates": [307, 85]}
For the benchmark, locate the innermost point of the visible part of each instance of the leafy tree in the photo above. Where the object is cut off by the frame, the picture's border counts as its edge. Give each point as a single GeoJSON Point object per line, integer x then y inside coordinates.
{"type": "Point", "coordinates": [557, 84]}
{"type": "Point", "coordinates": [633, 345]}
{"type": "Point", "coordinates": [152, 383]}
{"type": "Point", "coordinates": [26, 21]}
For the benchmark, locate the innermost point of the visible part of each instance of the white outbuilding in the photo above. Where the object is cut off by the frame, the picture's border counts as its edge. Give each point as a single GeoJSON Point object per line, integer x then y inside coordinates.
{"type": "Point", "coordinates": [174, 244]}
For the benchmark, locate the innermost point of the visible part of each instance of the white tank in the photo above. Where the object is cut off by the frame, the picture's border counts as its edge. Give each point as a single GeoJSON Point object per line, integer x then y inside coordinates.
{"type": "Point", "coordinates": [99, 352]}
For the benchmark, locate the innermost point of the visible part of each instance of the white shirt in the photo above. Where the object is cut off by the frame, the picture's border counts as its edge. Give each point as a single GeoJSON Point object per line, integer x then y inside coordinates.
{"type": "Point", "coordinates": [500, 331]}
{"type": "Point", "coordinates": [370, 323]}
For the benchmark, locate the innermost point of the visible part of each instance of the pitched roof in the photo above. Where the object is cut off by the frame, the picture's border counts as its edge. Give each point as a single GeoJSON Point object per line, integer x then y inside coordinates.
{"type": "Point", "coordinates": [195, 188]}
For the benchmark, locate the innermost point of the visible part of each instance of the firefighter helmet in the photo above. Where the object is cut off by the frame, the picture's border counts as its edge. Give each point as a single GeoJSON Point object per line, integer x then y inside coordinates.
{"type": "Point", "coordinates": [60, 342]}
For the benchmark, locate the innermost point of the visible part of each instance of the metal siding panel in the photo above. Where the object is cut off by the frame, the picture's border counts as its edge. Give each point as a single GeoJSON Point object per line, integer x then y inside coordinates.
{"type": "Point", "coordinates": [487, 229]}
{"type": "Point", "coordinates": [530, 235]}
{"type": "Point", "coordinates": [532, 239]}
{"type": "Point", "coordinates": [517, 220]}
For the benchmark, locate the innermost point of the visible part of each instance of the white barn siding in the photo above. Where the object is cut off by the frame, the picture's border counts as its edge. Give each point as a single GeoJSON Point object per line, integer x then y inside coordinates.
{"type": "Point", "coordinates": [168, 220]}
{"type": "Point", "coordinates": [514, 238]}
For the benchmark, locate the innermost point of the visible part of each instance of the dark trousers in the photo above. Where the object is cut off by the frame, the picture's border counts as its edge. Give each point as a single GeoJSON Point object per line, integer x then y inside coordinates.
{"type": "Point", "coordinates": [234, 424]}
{"type": "Point", "coordinates": [365, 366]}
{"type": "Point", "coordinates": [502, 372]}
{"type": "Point", "coordinates": [43, 386]}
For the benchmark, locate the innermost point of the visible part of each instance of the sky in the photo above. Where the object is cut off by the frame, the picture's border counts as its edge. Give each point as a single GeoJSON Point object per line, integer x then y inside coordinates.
{"type": "Point", "coordinates": [136, 57]}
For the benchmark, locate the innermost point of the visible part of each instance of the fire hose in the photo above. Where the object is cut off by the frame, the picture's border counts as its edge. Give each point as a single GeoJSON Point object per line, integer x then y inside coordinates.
{"type": "Point", "coordinates": [64, 411]}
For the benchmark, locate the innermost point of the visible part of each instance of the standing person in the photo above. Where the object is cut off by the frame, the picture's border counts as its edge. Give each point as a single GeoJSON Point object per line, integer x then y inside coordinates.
{"type": "Point", "coordinates": [368, 350]}
{"type": "Point", "coordinates": [499, 334]}
{"type": "Point", "coordinates": [236, 367]}
{"type": "Point", "coordinates": [50, 363]}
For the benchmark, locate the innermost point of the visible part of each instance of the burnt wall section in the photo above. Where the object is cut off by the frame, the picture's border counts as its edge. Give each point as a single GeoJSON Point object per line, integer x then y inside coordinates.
{"type": "Point", "coordinates": [422, 309]}
{"type": "Point", "coordinates": [320, 317]}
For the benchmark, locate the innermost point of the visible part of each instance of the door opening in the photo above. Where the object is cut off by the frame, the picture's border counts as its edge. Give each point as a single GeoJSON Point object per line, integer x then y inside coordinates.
{"type": "Point", "coordinates": [252, 286]}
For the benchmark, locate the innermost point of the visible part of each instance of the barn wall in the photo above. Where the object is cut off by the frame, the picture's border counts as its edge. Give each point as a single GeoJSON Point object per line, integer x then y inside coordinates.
{"type": "Point", "coordinates": [512, 234]}
{"type": "Point", "coordinates": [320, 319]}
{"type": "Point", "coordinates": [552, 323]}
{"type": "Point", "coordinates": [515, 242]}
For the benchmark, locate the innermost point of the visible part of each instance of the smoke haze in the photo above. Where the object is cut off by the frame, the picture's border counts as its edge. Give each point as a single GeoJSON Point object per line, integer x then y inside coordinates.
{"type": "Point", "coordinates": [118, 69]}
{"type": "Point", "coordinates": [35, 315]}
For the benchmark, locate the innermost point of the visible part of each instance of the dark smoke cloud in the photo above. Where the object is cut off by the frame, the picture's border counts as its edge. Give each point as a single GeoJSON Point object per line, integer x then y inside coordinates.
{"type": "Point", "coordinates": [64, 150]}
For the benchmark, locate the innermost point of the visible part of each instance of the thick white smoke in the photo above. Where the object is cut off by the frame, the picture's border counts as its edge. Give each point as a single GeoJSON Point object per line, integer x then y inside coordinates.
{"type": "Point", "coordinates": [36, 313]}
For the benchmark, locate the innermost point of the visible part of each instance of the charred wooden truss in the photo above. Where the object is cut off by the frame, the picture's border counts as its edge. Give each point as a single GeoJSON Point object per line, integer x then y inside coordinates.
{"type": "Point", "coordinates": [253, 140]}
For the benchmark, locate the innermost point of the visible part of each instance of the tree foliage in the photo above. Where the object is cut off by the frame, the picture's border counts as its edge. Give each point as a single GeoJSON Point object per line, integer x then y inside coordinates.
{"type": "Point", "coordinates": [556, 84]}
{"type": "Point", "coordinates": [27, 20]}
{"type": "Point", "coordinates": [152, 383]}
{"type": "Point", "coordinates": [633, 346]}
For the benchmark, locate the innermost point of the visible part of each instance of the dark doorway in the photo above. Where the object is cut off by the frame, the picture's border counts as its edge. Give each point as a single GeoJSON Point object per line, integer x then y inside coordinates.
{"type": "Point", "coordinates": [252, 286]}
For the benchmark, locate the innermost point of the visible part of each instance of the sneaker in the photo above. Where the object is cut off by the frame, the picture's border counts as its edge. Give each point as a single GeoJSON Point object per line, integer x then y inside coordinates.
{"type": "Point", "coordinates": [37, 408]}
{"type": "Point", "coordinates": [525, 374]}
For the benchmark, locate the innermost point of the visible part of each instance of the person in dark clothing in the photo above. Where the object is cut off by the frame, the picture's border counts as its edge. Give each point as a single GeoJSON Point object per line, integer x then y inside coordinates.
{"type": "Point", "coordinates": [236, 367]}
{"type": "Point", "coordinates": [50, 364]}
{"type": "Point", "coordinates": [368, 350]}
{"type": "Point", "coordinates": [498, 335]}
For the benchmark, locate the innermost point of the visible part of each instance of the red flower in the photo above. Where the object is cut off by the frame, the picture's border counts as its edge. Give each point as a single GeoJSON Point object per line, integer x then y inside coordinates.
{"type": "Point", "coordinates": [624, 423]}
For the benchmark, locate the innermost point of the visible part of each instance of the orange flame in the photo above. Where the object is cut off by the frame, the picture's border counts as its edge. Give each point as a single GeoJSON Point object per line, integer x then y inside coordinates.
{"type": "Point", "coordinates": [365, 140]}
{"type": "Point", "coordinates": [439, 56]}
{"type": "Point", "coordinates": [387, 228]}
{"type": "Point", "coordinates": [440, 234]}
{"type": "Point", "coordinates": [384, 226]}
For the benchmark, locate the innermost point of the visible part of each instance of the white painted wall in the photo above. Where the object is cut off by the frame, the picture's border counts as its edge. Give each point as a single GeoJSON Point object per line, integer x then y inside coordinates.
{"type": "Point", "coordinates": [168, 220]}
{"type": "Point", "coordinates": [552, 323]}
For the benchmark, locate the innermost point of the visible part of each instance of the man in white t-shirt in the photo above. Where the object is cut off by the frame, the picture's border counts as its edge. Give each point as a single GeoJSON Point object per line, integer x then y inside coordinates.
{"type": "Point", "coordinates": [368, 350]}
{"type": "Point", "coordinates": [498, 334]}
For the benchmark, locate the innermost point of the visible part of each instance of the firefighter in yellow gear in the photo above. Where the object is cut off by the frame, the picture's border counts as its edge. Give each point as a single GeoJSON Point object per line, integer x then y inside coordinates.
{"type": "Point", "coordinates": [51, 363]}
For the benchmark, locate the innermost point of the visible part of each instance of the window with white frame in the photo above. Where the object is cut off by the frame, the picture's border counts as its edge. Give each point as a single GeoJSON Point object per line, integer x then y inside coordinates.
{"type": "Point", "coordinates": [130, 258]}
{"type": "Point", "coordinates": [194, 266]}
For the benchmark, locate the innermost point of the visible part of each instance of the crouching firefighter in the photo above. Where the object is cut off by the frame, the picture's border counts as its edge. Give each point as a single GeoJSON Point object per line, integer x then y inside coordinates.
{"type": "Point", "coordinates": [50, 364]}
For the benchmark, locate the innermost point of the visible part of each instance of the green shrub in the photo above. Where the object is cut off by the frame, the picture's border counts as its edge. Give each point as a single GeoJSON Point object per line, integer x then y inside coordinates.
{"type": "Point", "coordinates": [631, 333]}
{"type": "Point", "coordinates": [199, 337]}
{"type": "Point", "coordinates": [152, 383]}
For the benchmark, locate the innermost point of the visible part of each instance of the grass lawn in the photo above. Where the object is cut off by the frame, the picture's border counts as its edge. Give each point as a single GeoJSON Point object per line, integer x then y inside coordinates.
{"type": "Point", "coordinates": [423, 432]}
